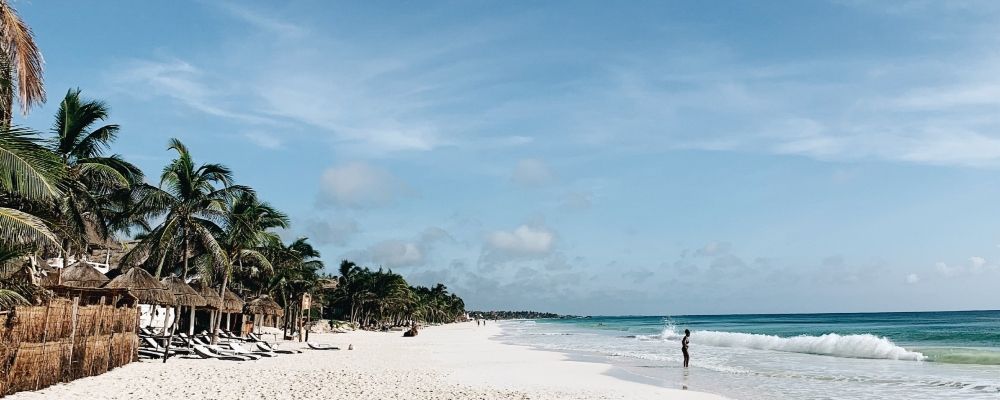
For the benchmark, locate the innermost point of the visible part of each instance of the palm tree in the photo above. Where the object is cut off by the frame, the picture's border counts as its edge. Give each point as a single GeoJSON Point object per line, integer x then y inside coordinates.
{"type": "Point", "coordinates": [296, 271]}
{"type": "Point", "coordinates": [93, 182]}
{"type": "Point", "coordinates": [29, 176]}
{"type": "Point", "coordinates": [191, 200]}
{"type": "Point", "coordinates": [20, 65]}
{"type": "Point", "coordinates": [248, 221]}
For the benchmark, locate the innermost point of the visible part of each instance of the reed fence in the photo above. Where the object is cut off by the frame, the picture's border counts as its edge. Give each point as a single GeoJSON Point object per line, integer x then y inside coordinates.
{"type": "Point", "coordinates": [64, 340]}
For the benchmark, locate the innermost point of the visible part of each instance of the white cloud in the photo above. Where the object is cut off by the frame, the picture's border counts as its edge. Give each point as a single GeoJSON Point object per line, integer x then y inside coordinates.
{"type": "Point", "coordinates": [261, 20]}
{"type": "Point", "coordinates": [182, 81]}
{"type": "Point", "coordinates": [359, 185]}
{"type": "Point", "coordinates": [264, 140]}
{"type": "Point", "coordinates": [531, 173]}
{"type": "Point", "coordinates": [396, 253]}
{"type": "Point", "coordinates": [946, 270]}
{"type": "Point", "coordinates": [977, 263]}
{"type": "Point", "coordinates": [523, 241]}
{"type": "Point", "coordinates": [912, 278]}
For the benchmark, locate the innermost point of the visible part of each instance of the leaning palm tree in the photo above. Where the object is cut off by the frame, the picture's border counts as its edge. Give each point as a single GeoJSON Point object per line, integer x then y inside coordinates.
{"type": "Point", "coordinates": [29, 177]}
{"type": "Point", "coordinates": [20, 65]}
{"type": "Point", "coordinates": [93, 180]}
{"type": "Point", "coordinates": [191, 201]}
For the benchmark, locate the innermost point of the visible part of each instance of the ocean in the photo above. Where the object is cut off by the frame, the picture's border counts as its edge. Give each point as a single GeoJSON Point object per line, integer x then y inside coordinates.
{"type": "Point", "coordinates": [912, 355]}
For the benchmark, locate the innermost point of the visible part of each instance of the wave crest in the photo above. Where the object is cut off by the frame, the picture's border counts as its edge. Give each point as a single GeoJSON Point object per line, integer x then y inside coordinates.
{"type": "Point", "coordinates": [831, 344]}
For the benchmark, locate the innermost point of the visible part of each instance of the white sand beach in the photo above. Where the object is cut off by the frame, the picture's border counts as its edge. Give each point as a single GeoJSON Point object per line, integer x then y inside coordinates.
{"type": "Point", "coordinates": [457, 361]}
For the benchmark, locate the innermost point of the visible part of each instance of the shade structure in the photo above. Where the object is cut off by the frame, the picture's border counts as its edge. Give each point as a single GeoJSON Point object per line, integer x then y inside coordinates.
{"type": "Point", "coordinates": [143, 286]}
{"type": "Point", "coordinates": [211, 296]}
{"type": "Point", "coordinates": [264, 305]}
{"type": "Point", "coordinates": [81, 274]}
{"type": "Point", "coordinates": [232, 303]}
{"type": "Point", "coordinates": [186, 295]}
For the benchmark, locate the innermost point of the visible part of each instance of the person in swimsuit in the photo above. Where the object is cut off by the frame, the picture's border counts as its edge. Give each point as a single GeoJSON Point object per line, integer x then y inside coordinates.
{"type": "Point", "coordinates": [684, 347]}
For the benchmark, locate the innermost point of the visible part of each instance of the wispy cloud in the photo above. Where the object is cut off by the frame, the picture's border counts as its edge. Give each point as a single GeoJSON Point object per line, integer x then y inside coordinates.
{"type": "Point", "coordinates": [261, 20]}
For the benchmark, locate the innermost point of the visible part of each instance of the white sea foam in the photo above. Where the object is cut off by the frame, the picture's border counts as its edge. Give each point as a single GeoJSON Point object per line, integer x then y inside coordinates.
{"type": "Point", "coordinates": [831, 344]}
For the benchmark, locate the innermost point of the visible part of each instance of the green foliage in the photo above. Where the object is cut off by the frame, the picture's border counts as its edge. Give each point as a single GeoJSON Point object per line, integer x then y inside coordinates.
{"type": "Point", "coordinates": [375, 298]}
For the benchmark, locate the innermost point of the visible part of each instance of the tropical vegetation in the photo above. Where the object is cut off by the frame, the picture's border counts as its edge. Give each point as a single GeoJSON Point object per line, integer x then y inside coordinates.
{"type": "Point", "coordinates": [65, 193]}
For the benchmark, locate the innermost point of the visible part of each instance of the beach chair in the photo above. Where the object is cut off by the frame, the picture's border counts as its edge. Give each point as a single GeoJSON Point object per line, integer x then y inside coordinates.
{"type": "Point", "coordinates": [153, 345]}
{"type": "Point", "coordinates": [265, 346]}
{"type": "Point", "coordinates": [149, 353]}
{"type": "Point", "coordinates": [206, 352]}
{"type": "Point", "coordinates": [321, 346]}
{"type": "Point", "coordinates": [229, 352]}
{"type": "Point", "coordinates": [239, 349]}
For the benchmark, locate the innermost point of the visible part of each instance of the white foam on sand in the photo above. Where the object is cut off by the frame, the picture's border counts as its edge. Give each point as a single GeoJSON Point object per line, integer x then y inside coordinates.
{"type": "Point", "coordinates": [457, 361]}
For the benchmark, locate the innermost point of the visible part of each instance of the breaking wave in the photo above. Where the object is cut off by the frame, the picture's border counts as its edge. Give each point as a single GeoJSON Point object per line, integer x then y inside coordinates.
{"type": "Point", "coordinates": [831, 344]}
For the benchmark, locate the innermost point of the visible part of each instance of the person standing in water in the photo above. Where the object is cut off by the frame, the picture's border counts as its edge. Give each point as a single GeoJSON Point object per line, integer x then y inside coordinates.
{"type": "Point", "coordinates": [684, 347]}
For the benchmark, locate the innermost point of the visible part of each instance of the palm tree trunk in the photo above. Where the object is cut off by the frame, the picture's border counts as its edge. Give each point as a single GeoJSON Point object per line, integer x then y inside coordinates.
{"type": "Point", "coordinates": [186, 244]}
{"type": "Point", "coordinates": [222, 293]}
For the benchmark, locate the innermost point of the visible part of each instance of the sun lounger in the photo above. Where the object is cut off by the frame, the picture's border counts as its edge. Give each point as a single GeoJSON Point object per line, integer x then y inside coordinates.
{"type": "Point", "coordinates": [239, 349]}
{"type": "Point", "coordinates": [230, 352]}
{"type": "Point", "coordinates": [150, 344]}
{"type": "Point", "coordinates": [321, 346]}
{"type": "Point", "coordinates": [206, 352]}
{"type": "Point", "coordinates": [265, 346]}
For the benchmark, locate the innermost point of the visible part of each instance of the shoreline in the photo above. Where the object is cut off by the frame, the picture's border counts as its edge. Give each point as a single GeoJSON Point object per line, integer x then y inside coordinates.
{"type": "Point", "coordinates": [455, 361]}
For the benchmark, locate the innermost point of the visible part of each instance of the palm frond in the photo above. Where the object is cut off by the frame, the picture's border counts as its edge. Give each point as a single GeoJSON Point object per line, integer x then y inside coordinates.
{"type": "Point", "coordinates": [17, 46]}
{"type": "Point", "coordinates": [28, 169]}
{"type": "Point", "coordinates": [18, 227]}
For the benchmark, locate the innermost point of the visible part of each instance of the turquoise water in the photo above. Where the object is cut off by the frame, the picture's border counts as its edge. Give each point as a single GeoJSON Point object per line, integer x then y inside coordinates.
{"type": "Point", "coordinates": [795, 356]}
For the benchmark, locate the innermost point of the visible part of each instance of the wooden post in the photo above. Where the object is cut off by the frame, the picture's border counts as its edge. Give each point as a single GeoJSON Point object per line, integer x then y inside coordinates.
{"type": "Point", "coordinates": [191, 323]}
{"type": "Point", "coordinates": [45, 336]}
{"type": "Point", "coordinates": [72, 335]}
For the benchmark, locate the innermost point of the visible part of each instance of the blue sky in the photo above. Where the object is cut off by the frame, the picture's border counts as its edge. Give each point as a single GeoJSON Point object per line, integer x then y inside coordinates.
{"type": "Point", "coordinates": [583, 157]}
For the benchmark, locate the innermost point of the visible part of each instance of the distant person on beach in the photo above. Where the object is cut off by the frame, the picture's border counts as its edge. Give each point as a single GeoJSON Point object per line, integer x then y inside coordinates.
{"type": "Point", "coordinates": [684, 347]}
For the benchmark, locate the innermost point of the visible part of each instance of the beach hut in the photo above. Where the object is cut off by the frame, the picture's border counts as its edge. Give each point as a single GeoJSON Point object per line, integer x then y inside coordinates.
{"type": "Point", "coordinates": [186, 297]}
{"type": "Point", "coordinates": [213, 302]}
{"type": "Point", "coordinates": [264, 309]}
{"type": "Point", "coordinates": [231, 304]}
{"type": "Point", "coordinates": [147, 289]}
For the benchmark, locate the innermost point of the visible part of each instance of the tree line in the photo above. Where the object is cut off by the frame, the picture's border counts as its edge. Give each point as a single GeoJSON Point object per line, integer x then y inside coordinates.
{"type": "Point", "coordinates": [64, 192]}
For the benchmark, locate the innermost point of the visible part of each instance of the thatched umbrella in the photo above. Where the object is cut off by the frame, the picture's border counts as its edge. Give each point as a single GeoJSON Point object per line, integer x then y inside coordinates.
{"type": "Point", "coordinates": [186, 297]}
{"type": "Point", "coordinates": [212, 301]}
{"type": "Point", "coordinates": [81, 274]}
{"type": "Point", "coordinates": [146, 288]}
{"type": "Point", "coordinates": [210, 295]}
{"type": "Point", "coordinates": [264, 306]}
{"type": "Point", "coordinates": [231, 304]}
{"type": "Point", "coordinates": [143, 286]}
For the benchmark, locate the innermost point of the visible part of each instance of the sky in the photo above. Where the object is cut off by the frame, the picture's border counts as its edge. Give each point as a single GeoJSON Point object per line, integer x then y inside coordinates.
{"type": "Point", "coordinates": [585, 157]}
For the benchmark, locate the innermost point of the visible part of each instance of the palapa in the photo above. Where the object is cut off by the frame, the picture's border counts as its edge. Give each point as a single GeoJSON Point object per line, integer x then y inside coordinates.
{"type": "Point", "coordinates": [264, 305]}
{"type": "Point", "coordinates": [80, 274]}
{"type": "Point", "coordinates": [185, 295]}
{"type": "Point", "coordinates": [143, 286]}
{"type": "Point", "coordinates": [232, 303]}
{"type": "Point", "coordinates": [211, 296]}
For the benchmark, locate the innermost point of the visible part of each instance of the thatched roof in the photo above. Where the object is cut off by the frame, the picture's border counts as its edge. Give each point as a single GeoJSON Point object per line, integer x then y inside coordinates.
{"type": "Point", "coordinates": [211, 296]}
{"type": "Point", "coordinates": [143, 286]}
{"type": "Point", "coordinates": [232, 303]}
{"type": "Point", "coordinates": [185, 295]}
{"type": "Point", "coordinates": [80, 274]}
{"type": "Point", "coordinates": [264, 305]}
{"type": "Point", "coordinates": [90, 296]}
{"type": "Point", "coordinates": [328, 284]}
